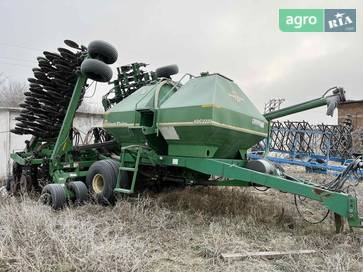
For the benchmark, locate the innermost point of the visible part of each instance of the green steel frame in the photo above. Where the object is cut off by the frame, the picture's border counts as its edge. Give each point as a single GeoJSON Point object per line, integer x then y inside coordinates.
{"type": "Point", "coordinates": [61, 163]}
{"type": "Point", "coordinates": [63, 143]}
{"type": "Point", "coordinates": [341, 204]}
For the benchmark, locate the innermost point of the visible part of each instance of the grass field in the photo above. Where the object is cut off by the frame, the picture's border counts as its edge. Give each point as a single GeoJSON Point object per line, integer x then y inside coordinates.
{"type": "Point", "coordinates": [173, 231]}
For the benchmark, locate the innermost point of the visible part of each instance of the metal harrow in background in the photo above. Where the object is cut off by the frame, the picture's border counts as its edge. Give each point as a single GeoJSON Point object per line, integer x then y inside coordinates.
{"type": "Point", "coordinates": [312, 146]}
{"type": "Point", "coordinates": [303, 138]}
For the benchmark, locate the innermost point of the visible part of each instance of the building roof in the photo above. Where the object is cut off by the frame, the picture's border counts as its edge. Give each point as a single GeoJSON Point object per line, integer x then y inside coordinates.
{"type": "Point", "coordinates": [80, 111]}
{"type": "Point", "coordinates": [352, 102]}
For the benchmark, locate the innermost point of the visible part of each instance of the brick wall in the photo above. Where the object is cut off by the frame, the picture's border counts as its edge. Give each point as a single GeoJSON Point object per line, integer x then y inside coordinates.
{"type": "Point", "coordinates": [354, 109]}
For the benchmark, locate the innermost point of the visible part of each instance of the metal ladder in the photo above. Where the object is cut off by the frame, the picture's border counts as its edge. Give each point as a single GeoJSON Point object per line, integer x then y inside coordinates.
{"type": "Point", "coordinates": [134, 169]}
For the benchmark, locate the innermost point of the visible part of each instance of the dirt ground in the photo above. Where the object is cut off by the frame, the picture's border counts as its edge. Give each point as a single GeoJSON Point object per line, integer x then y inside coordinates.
{"type": "Point", "coordinates": [184, 230]}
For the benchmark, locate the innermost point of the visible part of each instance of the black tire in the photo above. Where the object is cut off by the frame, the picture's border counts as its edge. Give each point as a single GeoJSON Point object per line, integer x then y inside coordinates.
{"type": "Point", "coordinates": [96, 70]}
{"type": "Point", "coordinates": [101, 181]}
{"type": "Point", "coordinates": [17, 170]}
{"type": "Point", "coordinates": [13, 183]}
{"type": "Point", "coordinates": [103, 51]}
{"type": "Point", "coordinates": [79, 190]}
{"type": "Point", "coordinates": [125, 180]}
{"type": "Point", "coordinates": [54, 196]}
{"type": "Point", "coordinates": [26, 184]}
{"type": "Point", "coordinates": [167, 71]}
{"type": "Point", "coordinates": [9, 182]}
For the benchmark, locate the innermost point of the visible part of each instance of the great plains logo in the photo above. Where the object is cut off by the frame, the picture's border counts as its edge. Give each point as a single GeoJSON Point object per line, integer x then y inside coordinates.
{"type": "Point", "coordinates": [317, 20]}
{"type": "Point", "coordinates": [236, 96]}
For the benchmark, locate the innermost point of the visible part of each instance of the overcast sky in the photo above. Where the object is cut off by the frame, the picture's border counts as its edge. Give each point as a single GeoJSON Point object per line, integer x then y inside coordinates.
{"type": "Point", "coordinates": [239, 39]}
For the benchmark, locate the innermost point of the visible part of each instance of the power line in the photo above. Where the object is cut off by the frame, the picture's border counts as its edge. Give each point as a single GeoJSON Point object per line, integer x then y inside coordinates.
{"type": "Point", "coordinates": [17, 60]}
{"type": "Point", "coordinates": [20, 46]}
{"type": "Point", "coordinates": [17, 64]}
{"type": "Point", "coordinates": [273, 104]}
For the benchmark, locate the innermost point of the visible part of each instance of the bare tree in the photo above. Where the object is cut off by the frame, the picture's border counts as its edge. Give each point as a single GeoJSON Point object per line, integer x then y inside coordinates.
{"type": "Point", "coordinates": [11, 92]}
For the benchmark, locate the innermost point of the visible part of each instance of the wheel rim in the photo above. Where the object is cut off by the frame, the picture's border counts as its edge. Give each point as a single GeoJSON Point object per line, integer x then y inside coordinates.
{"type": "Point", "coordinates": [98, 183]}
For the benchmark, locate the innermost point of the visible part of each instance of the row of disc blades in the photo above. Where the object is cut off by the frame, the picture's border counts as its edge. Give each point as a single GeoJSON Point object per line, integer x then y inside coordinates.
{"type": "Point", "coordinates": [50, 91]}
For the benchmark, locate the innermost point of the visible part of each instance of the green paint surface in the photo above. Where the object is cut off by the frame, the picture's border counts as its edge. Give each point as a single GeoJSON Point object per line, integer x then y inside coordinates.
{"type": "Point", "coordinates": [210, 116]}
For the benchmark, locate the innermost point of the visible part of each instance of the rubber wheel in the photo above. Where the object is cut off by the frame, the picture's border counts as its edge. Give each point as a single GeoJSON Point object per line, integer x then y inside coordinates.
{"type": "Point", "coordinates": [96, 70]}
{"type": "Point", "coordinates": [101, 181]}
{"type": "Point", "coordinates": [79, 190]}
{"type": "Point", "coordinates": [13, 183]}
{"type": "Point", "coordinates": [26, 184]}
{"type": "Point", "coordinates": [54, 196]}
{"type": "Point", "coordinates": [167, 71]}
{"type": "Point", "coordinates": [9, 182]}
{"type": "Point", "coordinates": [103, 51]}
{"type": "Point", "coordinates": [125, 181]}
{"type": "Point", "coordinates": [17, 169]}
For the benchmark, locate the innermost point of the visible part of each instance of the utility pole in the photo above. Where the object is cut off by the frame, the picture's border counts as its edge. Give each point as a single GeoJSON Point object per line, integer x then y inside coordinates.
{"type": "Point", "coordinates": [273, 104]}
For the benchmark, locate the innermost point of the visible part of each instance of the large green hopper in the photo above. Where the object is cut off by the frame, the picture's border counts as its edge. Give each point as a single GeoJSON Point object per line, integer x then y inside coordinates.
{"type": "Point", "coordinates": [209, 116]}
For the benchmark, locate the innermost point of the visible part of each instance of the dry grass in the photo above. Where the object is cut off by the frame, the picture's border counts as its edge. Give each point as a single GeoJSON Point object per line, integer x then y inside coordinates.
{"type": "Point", "coordinates": [176, 231]}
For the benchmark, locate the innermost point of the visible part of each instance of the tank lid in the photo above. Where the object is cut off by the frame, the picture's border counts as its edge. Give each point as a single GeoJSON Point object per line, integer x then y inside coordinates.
{"type": "Point", "coordinates": [205, 74]}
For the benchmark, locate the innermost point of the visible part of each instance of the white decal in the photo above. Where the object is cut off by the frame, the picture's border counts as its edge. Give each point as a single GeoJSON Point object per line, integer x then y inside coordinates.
{"type": "Point", "coordinates": [236, 96]}
{"type": "Point", "coordinates": [169, 133]}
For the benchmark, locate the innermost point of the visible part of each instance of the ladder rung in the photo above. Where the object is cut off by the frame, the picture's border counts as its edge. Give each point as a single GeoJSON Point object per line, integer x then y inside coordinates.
{"type": "Point", "coordinates": [121, 190]}
{"type": "Point", "coordinates": [127, 169]}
